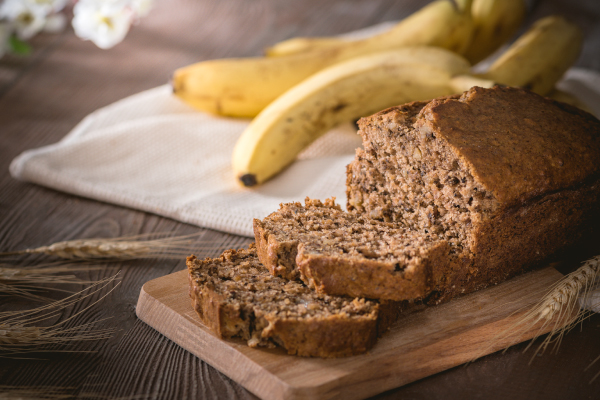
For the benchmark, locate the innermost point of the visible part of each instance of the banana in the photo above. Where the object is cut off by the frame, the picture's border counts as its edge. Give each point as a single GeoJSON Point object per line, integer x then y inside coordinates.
{"type": "Point", "coordinates": [243, 87]}
{"type": "Point", "coordinates": [495, 22]}
{"type": "Point", "coordinates": [442, 23]}
{"type": "Point", "coordinates": [539, 57]}
{"type": "Point", "coordinates": [302, 44]}
{"type": "Point", "coordinates": [462, 83]}
{"type": "Point", "coordinates": [559, 95]}
{"type": "Point", "coordinates": [342, 92]}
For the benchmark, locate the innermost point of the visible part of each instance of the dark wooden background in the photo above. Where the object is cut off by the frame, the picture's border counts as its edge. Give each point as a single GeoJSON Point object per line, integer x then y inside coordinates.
{"type": "Point", "coordinates": [43, 96]}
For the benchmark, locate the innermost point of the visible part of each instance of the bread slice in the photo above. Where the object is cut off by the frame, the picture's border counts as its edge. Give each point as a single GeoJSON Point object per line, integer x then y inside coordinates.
{"type": "Point", "coordinates": [343, 253]}
{"type": "Point", "coordinates": [236, 297]}
{"type": "Point", "coordinates": [507, 177]}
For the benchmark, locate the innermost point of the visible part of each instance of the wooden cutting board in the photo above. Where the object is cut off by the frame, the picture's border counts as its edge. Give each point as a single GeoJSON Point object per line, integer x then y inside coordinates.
{"type": "Point", "coordinates": [420, 344]}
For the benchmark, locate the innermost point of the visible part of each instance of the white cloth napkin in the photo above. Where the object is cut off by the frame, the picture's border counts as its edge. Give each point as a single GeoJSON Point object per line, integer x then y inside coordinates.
{"type": "Point", "coordinates": [152, 152]}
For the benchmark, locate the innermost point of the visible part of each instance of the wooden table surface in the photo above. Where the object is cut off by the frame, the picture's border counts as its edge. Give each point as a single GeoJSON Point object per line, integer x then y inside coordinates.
{"type": "Point", "coordinates": [43, 96]}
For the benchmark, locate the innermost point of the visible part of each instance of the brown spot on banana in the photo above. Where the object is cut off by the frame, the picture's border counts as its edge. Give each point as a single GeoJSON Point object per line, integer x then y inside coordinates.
{"type": "Point", "coordinates": [176, 85]}
{"type": "Point", "coordinates": [499, 28]}
{"type": "Point", "coordinates": [338, 107]}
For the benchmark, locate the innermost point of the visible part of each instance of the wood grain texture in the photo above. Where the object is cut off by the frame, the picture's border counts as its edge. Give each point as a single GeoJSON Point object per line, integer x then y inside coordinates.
{"type": "Point", "coordinates": [419, 344]}
{"type": "Point", "coordinates": [44, 95]}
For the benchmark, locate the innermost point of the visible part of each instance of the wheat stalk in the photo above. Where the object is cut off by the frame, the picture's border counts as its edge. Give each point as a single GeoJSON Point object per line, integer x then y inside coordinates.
{"type": "Point", "coordinates": [558, 309]}
{"type": "Point", "coordinates": [561, 306]}
{"type": "Point", "coordinates": [24, 281]}
{"type": "Point", "coordinates": [19, 333]}
{"type": "Point", "coordinates": [44, 273]}
{"type": "Point", "coordinates": [122, 248]}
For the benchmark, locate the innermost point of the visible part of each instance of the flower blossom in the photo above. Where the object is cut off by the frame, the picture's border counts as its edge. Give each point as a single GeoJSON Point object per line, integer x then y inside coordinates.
{"type": "Point", "coordinates": [26, 17]}
{"type": "Point", "coordinates": [103, 22]}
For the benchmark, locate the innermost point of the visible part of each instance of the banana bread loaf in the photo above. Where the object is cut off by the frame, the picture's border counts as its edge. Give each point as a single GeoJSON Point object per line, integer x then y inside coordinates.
{"type": "Point", "coordinates": [507, 177]}
{"type": "Point", "coordinates": [474, 188]}
{"type": "Point", "coordinates": [235, 296]}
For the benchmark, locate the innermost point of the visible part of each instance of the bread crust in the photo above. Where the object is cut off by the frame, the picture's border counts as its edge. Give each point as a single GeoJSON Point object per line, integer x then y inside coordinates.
{"type": "Point", "coordinates": [278, 257]}
{"type": "Point", "coordinates": [518, 144]}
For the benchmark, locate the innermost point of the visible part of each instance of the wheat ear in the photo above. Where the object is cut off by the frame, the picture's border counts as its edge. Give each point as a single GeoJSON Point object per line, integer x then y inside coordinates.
{"type": "Point", "coordinates": [558, 309]}
{"type": "Point", "coordinates": [564, 301]}
{"type": "Point", "coordinates": [19, 333]}
{"type": "Point", "coordinates": [122, 248]}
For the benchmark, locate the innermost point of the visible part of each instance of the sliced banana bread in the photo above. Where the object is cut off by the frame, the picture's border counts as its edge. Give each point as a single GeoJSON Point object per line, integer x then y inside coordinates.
{"type": "Point", "coordinates": [507, 177]}
{"type": "Point", "coordinates": [474, 189]}
{"type": "Point", "coordinates": [235, 296]}
{"type": "Point", "coordinates": [337, 252]}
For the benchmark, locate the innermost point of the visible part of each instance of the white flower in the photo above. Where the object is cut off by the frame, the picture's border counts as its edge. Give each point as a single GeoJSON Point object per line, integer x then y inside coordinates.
{"type": "Point", "coordinates": [26, 17]}
{"type": "Point", "coordinates": [103, 22]}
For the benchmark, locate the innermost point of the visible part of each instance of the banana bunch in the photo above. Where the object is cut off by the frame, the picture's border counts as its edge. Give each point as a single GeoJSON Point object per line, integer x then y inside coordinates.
{"type": "Point", "coordinates": [305, 86]}
{"type": "Point", "coordinates": [340, 93]}
{"type": "Point", "coordinates": [361, 86]}
{"type": "Point", "coordinates": [243, 87]}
